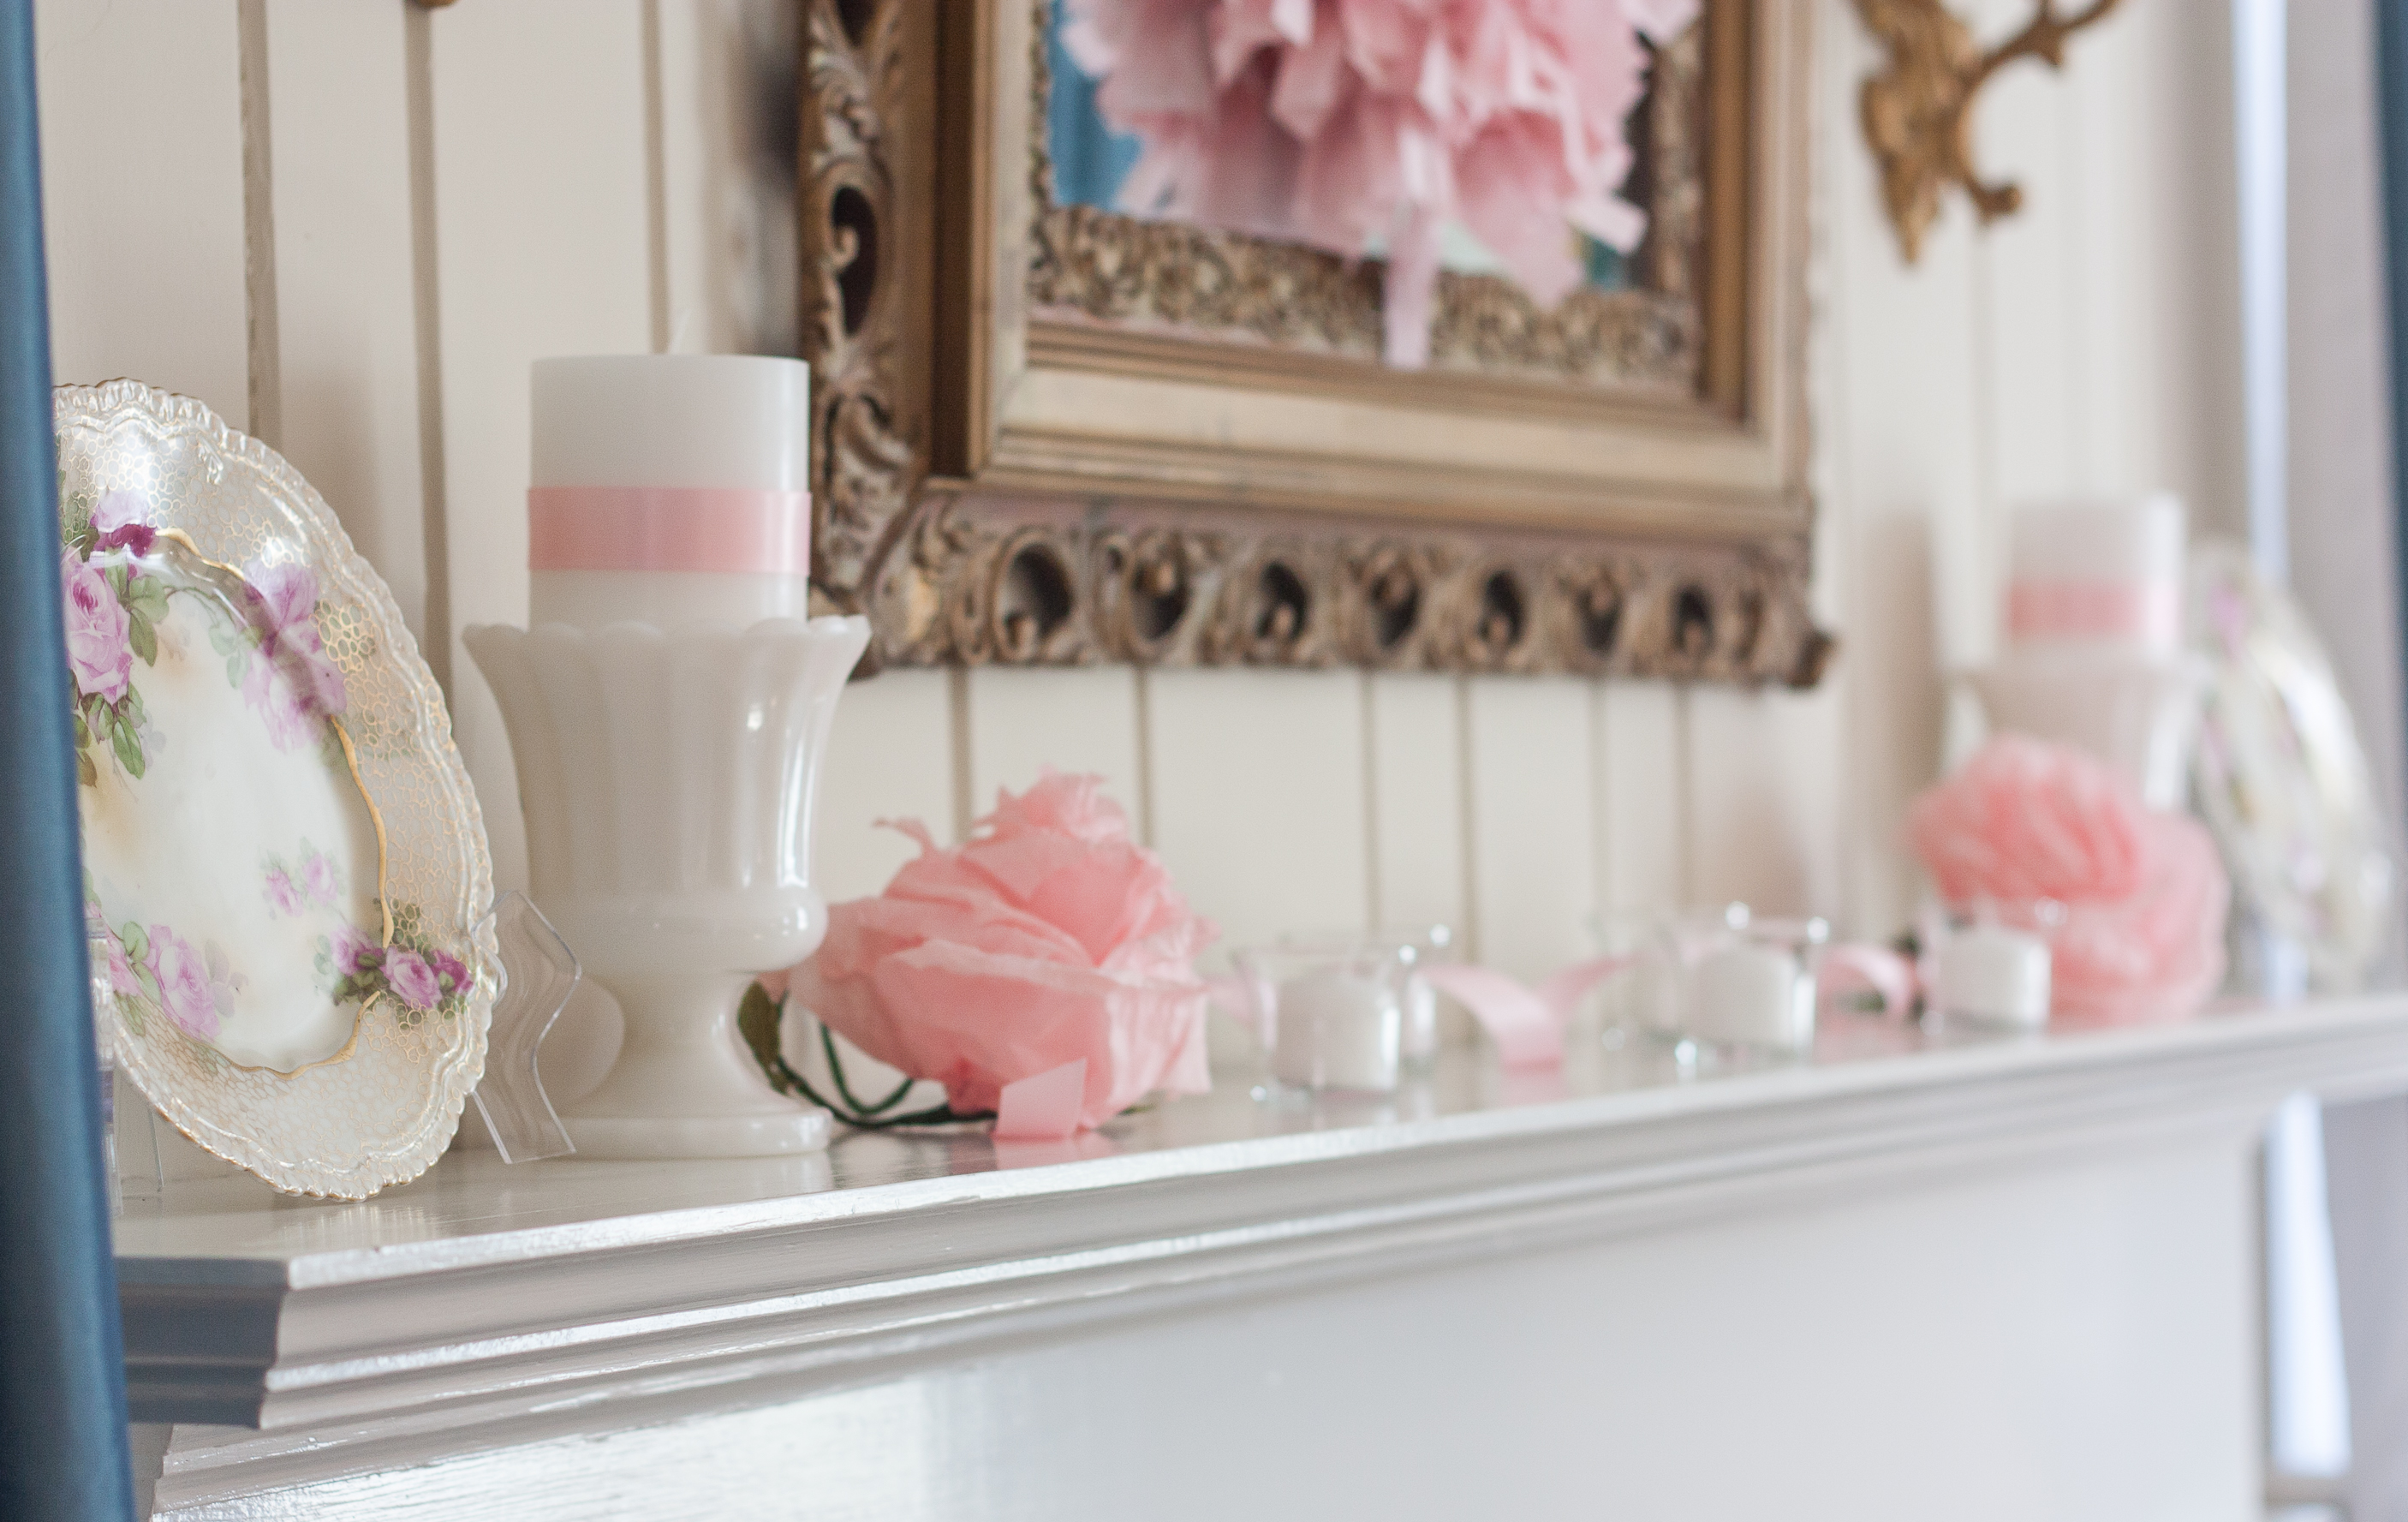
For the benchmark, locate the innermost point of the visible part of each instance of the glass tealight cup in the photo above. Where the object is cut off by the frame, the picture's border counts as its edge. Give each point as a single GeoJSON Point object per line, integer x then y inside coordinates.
{"type": "Point", "coordinates": [1421, 946]}
{"type": "Point", "coordinates": [1743, 980]}
{"type": "Point", "coordinates": [1330, 1017]}
{"type": "Point", "coordinates": [1990, 963]}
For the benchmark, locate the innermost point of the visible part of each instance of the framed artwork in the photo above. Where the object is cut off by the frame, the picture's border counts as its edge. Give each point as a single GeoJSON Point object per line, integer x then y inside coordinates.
{"type": "Point", "coordinates": [1099, 380]}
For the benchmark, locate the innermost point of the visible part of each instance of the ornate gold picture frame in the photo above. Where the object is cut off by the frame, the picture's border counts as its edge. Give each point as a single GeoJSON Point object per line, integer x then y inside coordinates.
{"type": "Point", "coordinates": [1052, 434]}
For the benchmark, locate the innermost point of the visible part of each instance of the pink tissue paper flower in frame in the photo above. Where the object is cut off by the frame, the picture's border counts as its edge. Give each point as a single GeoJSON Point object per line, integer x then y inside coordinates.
{"type": "Point", "coordinates": [1049, 936]}
{"type": "Point", "coordinates": [1353, 124]}
{"type": "Point", "coordinates": [2143, 893]}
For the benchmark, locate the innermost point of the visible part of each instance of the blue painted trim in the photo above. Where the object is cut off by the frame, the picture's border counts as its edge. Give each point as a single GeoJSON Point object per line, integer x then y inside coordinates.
{"type": "Point", "coordinates": [63, 1449]}
{"type": "Point", "coordinates": [2391, 87]}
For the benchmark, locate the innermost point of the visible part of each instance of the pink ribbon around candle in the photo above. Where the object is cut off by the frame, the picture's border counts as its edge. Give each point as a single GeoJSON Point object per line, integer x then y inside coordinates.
{"type": "Point", "coordinates": [2150, 612]}
{"type": "Point", "coordinates": [725, 529]}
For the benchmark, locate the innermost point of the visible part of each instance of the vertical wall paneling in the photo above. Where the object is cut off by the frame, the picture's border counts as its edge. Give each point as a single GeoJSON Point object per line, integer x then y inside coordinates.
{"type": "Point", "coordinates": [1760, 780]}
{"type": "Point", "coordinates": [1414, 757]}
{"type": "Point", "coordinates": [1900, 409]}
{"type": "Point", "coordinates": [142, 196]}
{"type": "Point", "coordinates": [2024, 299]}
{"type": "Point", "coordinates": [2158, 381]}
{"type": "Point", "coordinates": [707, 114]}
{"type": "Point", "coordinates": [1532, 835]}
{"type": "Point", "coordinates": [542, 216]}
{"type": "Point", "coordinates": [1257, 796]}
{"type": "Point", "coordinates": [1643, 805]}
{"type": "Point", "coordinates": [891, 757]}
{"type": "Point", "coordinates": [345, 371]}
{"type": "Point", "coordinates": [1081, 719]}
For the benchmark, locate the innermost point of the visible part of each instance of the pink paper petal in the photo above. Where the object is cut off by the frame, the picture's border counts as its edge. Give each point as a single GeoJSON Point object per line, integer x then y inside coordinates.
{"type": "Point", "coordinates": [1044, 1108]}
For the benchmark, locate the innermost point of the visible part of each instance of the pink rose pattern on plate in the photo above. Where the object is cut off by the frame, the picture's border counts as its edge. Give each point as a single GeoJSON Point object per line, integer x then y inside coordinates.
{"type": "Point", "coordinates": [420, 976]}
{"type": "Point", "coordinates": [313, 878]}
{"type": "Point", "coordinates": [154, 972]}
{"type": "Point", "coordinates": [274, 657]}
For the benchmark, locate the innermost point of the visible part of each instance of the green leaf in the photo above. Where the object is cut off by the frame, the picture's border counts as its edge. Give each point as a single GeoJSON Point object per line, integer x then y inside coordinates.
{"type": "Point", "coordinates": [136, 714]}
{"type": "Point", "coordinates": [86, 773]}
{"type": "Point", "coordinates": [115, 577]}
{"type": "Point", "coordinates": [141, 636]}
{"type": "Point", "coordinates": [148, 595]}
{"type": "Point", "coordinates": [83, 730]}
{"type": "Point", "coordinates": [128, 746]}
{"type": "Point", "coordinates": [757, 1018]}
{"type": "Point", "coordinates": [136, 942]}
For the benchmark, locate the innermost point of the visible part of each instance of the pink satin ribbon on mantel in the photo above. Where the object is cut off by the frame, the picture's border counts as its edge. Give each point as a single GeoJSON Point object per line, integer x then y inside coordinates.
{"type": "Point", "coordinates": [724, 529]}
{"type": "Point", "coordinates": [1527, 1023]}
{"type": "Point", "coordinates": [2149, 612]}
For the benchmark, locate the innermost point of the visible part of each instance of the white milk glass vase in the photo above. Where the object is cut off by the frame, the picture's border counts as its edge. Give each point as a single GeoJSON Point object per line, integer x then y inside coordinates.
{"type": "Point", "coordinates": [667, 779]}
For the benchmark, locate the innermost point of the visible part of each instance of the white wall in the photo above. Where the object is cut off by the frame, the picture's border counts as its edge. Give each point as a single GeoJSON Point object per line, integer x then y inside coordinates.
{"type": "Point", "coordinates": [349, 227]}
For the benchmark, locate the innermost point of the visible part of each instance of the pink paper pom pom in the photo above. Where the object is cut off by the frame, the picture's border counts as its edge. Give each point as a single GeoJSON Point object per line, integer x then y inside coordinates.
{"type": "Point", "coordinates": [2143, 893]}
{"type": "Point", "coordinates": [1347, 123]}
{"type": "Point", "coordinates": [1048, 937]}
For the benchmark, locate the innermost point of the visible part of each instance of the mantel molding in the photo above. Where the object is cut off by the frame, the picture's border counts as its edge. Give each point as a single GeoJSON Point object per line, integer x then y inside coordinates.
{"type": "Point", "coordinates": [374, 1345]}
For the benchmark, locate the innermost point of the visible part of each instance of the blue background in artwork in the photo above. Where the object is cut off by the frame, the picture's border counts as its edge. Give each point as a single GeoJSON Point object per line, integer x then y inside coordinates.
{"type": "Point", "coordinates": [1090, 160]}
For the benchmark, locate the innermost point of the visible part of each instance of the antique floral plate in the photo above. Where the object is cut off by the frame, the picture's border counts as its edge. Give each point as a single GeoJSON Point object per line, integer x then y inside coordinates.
{"type": "Point", "coordinates": [2281, 776]}
{"type": "Point", "coordinates": [284, 866]}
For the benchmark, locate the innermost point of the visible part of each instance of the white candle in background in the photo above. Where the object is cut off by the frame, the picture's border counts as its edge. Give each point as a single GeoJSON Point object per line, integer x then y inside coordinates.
{"type": "Point", "coordinates": [1336, 1029]}
{"type": "Point", "coordinates": [2102, 576]}
{"type": "Point", "coordinates": [1752, 995]}
{"type": "Point", "coordinates": [1991, 973]}
{"type": "Point", "coordinates": [694, 471]}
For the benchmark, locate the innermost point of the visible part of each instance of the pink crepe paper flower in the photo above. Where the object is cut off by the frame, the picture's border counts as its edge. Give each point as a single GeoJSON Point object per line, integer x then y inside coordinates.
{"type": "Point", "coordinates": [1344, 124]}
{"type": "Point", "coordinates": [183, 978]}
{"type": "Point", "coordinates": [1049, 936]}
{"type": "Point", "coordinates": [2143, 893]}
{"type": "Point", "coordinates": [99, 651]}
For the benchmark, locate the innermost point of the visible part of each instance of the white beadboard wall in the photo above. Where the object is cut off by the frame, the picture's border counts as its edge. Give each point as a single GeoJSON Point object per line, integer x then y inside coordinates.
{"type": "Point", "coordinates": [349, 227]}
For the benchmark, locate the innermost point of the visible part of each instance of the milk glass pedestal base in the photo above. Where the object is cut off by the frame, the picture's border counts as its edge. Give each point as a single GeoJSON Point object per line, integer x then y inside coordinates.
{"type": "Point", "coordinates": [682, 1087]}
{"type": "Point", "coordinates": [666, 779]}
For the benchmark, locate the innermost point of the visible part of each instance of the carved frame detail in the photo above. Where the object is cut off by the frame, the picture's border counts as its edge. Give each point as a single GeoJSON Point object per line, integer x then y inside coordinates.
{"type": "Point", "coordinates": [969, 543]}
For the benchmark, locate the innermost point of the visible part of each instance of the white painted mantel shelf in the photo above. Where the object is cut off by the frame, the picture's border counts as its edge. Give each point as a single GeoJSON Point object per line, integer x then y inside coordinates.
{"type": "Point", "coordinates": [2009, 1275]}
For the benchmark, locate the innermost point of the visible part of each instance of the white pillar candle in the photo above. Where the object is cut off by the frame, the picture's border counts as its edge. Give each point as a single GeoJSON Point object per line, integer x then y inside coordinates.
{"type": "Point", "coordinates": [670, 490]}
{"type": "Point", "coordinates": [1752, 995]}
{"type": "Point", "coordinates": [1991, 973]}
{"type": "Point", "coordinates": [1336, 1029]}
{"type": "Point", "coordinates": [2097, 576]}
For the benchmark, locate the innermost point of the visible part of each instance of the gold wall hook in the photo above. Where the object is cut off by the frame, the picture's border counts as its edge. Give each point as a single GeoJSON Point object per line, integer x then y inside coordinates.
{"type": "Point", "coordinates": [1919, 113]}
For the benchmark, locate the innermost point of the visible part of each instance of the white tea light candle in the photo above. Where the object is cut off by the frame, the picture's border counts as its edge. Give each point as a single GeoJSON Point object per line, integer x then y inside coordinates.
{"type": "Point", "coordinates": [1336, 1028]}
{"type": "Point", "coordinates": [669, 490]}
{"type": "Point", "coordinates": [1752, 995]}
{"type": "Point", "coordinates": [1993, 974]}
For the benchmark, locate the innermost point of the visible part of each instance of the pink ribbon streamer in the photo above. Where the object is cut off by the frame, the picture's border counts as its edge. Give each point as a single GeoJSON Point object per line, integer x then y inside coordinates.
{"type": "Point", "coordinates": [725, 529]}
{"type": "Point", "coordinates": [2078, 610]}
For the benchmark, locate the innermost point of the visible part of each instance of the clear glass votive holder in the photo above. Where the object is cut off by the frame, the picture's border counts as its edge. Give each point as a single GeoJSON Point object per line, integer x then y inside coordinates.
{"type": "Point", "coordinates": [1743, 980]}
{"type": "Point", "coordinates": [1332, 1016]}
{"type": "Point", "coordinates": [1989, 963]}
{"type": "Point", "coordinates": [1421, 946]}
